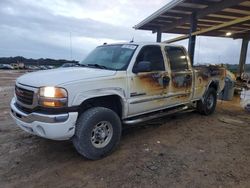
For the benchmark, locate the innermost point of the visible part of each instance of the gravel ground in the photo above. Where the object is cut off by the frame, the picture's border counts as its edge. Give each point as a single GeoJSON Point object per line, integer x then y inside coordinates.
{"type": "Point", "coordinates": [184, 150]}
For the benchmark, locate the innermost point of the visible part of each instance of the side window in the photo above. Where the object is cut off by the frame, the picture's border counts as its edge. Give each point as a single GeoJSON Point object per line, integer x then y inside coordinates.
{"type": "Point", "coordinates": [177, 57]}
{"type": "Point", "coordinates": [154, 55]}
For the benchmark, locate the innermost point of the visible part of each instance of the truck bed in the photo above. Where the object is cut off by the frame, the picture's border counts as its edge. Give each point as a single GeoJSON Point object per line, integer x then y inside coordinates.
{"type": "Point", "coordinates": [204, 74]}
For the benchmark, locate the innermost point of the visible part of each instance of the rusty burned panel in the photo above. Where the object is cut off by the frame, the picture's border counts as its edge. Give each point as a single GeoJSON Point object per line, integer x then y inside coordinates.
{"type": "Point", "coordinates": [153, 82]}
{"type": "Point", "coordinates": [181, 80]}
{"type": "Point", "coordinates": [204, 75]}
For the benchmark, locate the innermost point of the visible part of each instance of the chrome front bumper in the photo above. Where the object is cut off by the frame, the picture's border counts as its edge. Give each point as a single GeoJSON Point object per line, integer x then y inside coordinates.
{"type": "Point", "coordinates": [29, 118]}
{"type": "Point", "coordinates": [55, 127]}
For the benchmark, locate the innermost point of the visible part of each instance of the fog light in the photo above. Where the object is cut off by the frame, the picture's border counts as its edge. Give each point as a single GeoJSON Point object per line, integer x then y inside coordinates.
{"type": "Point", "coordinates": [40, 130]}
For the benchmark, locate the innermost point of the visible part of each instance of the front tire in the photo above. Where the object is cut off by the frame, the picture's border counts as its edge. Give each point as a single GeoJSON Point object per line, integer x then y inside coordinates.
{"type": "Point", "coordinates": [98, 132]}
{"type": "Point", "coordinates": [208, 105]}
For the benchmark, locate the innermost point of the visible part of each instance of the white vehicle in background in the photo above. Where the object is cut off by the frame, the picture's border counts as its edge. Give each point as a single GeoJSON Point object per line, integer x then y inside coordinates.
{"type": "Point", "coordinates": [116, 84]}
{"type": "Point", "coordinates": [6, 67]}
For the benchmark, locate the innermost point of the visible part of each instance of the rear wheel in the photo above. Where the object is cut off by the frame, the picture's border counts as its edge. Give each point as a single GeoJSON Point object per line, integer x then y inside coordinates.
{"type": "Point", "coordinates": [98, 132]}
{"type": "Point", "coordinates": [207, 106]}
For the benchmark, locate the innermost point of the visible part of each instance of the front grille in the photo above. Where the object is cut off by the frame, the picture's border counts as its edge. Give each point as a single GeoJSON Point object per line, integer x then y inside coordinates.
{"type": "Point", "coordinates": [23, 95]}
{"type": "Point", "coordinates": [23, 109]}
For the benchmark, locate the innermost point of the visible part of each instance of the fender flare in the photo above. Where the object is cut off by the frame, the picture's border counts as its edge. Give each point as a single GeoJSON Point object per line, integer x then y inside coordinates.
{"type": "Point", "coordinates": [215, 82]}
{"type": "Point", "coordinates": [80, 98]}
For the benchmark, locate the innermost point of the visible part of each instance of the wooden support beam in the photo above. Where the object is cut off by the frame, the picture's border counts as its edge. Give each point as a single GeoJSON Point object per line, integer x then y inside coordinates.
{"type": "Point", "coordinates": [226, 24]}
{"type": "Point", "coordinates": [216, 27]}
{"type": "Point", "coordinates": [183, 37]}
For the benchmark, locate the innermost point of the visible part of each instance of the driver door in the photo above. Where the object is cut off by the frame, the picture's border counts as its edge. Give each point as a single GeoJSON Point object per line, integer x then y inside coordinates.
{"type": "Point", "coordinates": [148, 88]}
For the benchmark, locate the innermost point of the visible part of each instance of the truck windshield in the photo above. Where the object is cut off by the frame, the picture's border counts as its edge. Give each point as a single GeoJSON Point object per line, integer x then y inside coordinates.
{"type": "Point", "coordinates": [113, 57]}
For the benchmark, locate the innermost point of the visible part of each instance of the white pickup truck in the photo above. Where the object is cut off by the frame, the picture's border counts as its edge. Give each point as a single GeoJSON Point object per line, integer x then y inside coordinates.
{"type": "Point", "coordinates": [116, 84]}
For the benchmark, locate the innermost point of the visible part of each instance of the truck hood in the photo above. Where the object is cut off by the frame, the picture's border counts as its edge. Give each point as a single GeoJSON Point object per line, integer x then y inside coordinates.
{"type": "Point", "coordinates": [61, 76]}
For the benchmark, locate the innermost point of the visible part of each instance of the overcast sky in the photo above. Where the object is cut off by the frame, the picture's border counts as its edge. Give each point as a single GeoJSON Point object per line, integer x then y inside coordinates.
{"type": "Point", "coordinates": [41, 29]}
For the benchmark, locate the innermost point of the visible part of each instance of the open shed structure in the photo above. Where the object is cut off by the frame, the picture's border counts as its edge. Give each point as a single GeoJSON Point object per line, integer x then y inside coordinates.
{"type": "Point", "coordinates": [217, 18]}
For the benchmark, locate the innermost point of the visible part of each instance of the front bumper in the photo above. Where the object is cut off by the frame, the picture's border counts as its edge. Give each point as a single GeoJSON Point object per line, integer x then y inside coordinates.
{"type": "Point", "coordinates": [55, 127]}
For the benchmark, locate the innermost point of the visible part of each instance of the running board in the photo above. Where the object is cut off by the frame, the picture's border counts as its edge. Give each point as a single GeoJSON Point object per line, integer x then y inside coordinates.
{"type": "Point", "coordinates": [147, 117]}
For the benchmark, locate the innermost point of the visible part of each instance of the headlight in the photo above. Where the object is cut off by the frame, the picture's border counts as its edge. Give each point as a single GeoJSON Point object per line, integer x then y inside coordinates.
{"type": "Point", "coordinates": [53, 97]}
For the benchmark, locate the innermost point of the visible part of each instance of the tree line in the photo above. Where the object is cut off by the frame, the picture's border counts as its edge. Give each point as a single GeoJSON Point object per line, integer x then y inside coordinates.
{"type": "Point", "coordinates": [30, 61]}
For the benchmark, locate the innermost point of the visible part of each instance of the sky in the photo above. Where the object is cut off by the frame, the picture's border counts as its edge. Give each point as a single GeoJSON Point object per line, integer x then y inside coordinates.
{"type": "Point", "coordinates": [50, 29]}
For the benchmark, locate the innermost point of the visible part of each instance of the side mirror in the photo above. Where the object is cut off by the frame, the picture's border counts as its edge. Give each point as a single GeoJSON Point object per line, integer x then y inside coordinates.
{"type": "Point", "coordinates": [142, 66]}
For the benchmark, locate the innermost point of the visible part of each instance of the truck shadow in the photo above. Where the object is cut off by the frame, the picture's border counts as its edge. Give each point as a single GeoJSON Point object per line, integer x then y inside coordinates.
{"type": "Point", "coordinates": [66, 149]}
{"type": "Point", "coordinates": [61, 151]}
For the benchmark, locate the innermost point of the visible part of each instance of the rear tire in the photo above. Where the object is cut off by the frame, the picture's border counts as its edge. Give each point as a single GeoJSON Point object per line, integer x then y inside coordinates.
{"type": "Point", "coordinates": [98, 132]}
{"type": "Point", "coordinates": [208, 105]}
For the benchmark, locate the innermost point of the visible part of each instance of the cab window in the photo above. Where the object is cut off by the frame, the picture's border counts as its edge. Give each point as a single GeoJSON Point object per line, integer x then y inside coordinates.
{"type": "Point", "coordinates": [152, 54]}
{"type": "Point", "coordinates": [177, 58]}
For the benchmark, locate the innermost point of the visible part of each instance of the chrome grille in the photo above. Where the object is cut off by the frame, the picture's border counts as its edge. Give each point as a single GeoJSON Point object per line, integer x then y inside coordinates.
{"type": "Point", "coordinates": [23, 95]}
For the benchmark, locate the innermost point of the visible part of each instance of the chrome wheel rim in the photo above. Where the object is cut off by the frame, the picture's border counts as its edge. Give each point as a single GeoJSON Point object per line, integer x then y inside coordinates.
{"type": "Point", "coordinates": [210, 101]}
{"type": "Point", "coordinates": [101, 134]}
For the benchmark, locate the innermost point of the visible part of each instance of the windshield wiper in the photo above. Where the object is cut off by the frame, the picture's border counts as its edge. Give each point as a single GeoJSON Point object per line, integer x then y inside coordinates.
{"type": "Point", "coordinates": [82, 65]}
{"type": "Point", "coordinates": [94, 65]}
{"type": "Point", "coordinates": [97, 66]}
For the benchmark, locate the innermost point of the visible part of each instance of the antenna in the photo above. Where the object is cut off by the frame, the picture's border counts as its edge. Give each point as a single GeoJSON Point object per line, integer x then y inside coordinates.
{"type": "Point", "coordinates": [70, 45]}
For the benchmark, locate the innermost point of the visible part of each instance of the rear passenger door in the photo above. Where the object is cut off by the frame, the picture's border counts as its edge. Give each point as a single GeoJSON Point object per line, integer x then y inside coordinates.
{"type": "Point", "coordinates": [181, 74]}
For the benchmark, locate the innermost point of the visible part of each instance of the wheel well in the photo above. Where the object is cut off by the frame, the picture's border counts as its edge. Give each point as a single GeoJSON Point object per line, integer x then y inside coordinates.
{"type": "Point", "coordinates": [214, 85]}
{"type": "Point", "coordinates": [112, 102]}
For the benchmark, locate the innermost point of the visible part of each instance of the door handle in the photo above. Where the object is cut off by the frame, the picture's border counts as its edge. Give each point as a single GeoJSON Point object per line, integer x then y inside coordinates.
{"type": "Point", "coordinates": [165, 81]}
{"type": "Point", "coordinates": [188, 76]}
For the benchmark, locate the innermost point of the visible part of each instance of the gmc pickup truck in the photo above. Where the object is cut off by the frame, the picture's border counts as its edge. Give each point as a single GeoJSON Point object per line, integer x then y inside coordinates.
{"type": "Point", "coordinates": [116, 84]}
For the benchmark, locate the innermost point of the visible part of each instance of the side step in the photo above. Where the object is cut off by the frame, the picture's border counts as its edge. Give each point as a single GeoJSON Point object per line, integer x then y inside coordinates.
{"type": "Point", "coordinates": [150, 116]}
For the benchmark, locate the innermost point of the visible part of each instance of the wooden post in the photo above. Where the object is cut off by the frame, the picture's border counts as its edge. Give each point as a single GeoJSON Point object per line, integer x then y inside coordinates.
{"type": "Point", "coordinates": [243, 55]}
{"type": "Point", "coordinates": [158, 37]}
{"type": "Point", "coordinates": [192, 38]}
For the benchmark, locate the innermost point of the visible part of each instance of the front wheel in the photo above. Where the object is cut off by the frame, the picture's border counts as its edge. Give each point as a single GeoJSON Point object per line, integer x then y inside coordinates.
{"type": "Point", "coordinates": [207, 106]}
{"type": "Point", "coordinates": [98, 132]}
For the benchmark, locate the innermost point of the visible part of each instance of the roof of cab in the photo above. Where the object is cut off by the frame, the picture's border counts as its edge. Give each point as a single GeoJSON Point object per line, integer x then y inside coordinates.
{"type": "Point", "coordinates": [143, 44]}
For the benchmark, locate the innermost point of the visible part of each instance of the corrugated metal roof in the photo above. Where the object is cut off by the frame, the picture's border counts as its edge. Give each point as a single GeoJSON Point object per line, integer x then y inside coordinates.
{"type": "Point", "coordinates": [175, 17]}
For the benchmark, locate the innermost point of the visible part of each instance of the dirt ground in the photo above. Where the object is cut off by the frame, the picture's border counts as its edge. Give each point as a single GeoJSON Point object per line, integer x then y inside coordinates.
{"type": "Point", "coordinates": [184, 150]}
